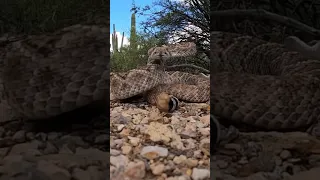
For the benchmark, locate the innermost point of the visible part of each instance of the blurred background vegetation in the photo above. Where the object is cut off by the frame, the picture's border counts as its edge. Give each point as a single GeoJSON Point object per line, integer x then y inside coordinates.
{"type": "Point", "coordinates": [271, 20]}
{"type": "Point", "coordinates": [39, 16]}
{"type": "Point", "coordinates": [166, 20]}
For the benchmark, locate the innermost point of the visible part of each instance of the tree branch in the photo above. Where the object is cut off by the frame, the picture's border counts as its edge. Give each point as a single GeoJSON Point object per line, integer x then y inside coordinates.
{"type": "Point", "coordinates": [268, 15]}
{"type": "Point", "coordinates": [201, 8]}
{"type": "Point", "coordinates": [187, 17]}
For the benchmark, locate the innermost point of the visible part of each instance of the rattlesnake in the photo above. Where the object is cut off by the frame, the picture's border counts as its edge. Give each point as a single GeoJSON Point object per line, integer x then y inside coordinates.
{"type": "Point", "coordinates": [43, 76]}
{"type": "Point", "coordinates": [153, 80]}
{"type": "Point", "coordinates": [47, 75]}
{"type": "Point", "coordinates": [264, 85]}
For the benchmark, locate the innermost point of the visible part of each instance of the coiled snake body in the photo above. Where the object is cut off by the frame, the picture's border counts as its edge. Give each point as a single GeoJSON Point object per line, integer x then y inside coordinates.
{"type": "Point", "coordinates": [263, 84]}
{"type": "Point", "coordinates": [47, 75]}
{"type": "Point", "coordinates": [152, 79]}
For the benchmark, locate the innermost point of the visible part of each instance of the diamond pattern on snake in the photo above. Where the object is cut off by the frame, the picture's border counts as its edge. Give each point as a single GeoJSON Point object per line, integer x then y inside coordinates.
{"type": "Point", "coordinates": [160, 87]}
{"type": "Point", "coordinates": [264, 85]}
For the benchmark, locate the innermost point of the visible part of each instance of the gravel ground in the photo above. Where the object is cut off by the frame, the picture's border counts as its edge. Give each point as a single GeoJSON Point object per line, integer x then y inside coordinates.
{"type": "Point", "coordinates": [147, 144]}
{"type": "Point", "coordinates": [267, 156]}
{"type": "Point", "coordinates": [57, 149]}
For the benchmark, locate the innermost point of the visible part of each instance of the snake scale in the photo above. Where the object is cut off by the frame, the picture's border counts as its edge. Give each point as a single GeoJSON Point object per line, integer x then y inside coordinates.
{"type": "Point", "coordinates": [50, 74]}
{"type": "Point", "coordinates": [152, 79]}
{"type": "Point", "coordinates": [263, 84]}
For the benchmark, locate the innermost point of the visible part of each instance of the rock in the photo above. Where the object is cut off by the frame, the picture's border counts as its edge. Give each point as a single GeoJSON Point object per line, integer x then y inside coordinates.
{"type": "Point", "coordinates": [181, 160]}
{"type": "Point", "coordinates": [79, 174]}
{"type": "Point", "coordinates": [200, 174]}
{"type": "Point", "coordinates": [30, 148]}
{"type": "Point", "coordinates": [285, 154]}
{"type": "Point", "coordinates": [126, 149]}
{"type": "Point", "coordinates": [222, 164]}
{"type": "Point", "coordinates": [157, 169]}
{"type": "Point", "coordinates": [134, 140]}
{"type": "Point", "coordinates": [19, 136]}
{"type": "Point", "coordinates": [136, 170]}
{"type": "Point", "coordinates": [114, 152]}
{"type": "Point", "coordinates": [53, 171]}
{"type": "Point", "coordinates": [119, 161]}
{"type": "Point", "coordinates": [96, 174]}
{"type": "Point", "coordinates": [53, 136]}
{"type": "Point", "coordinates": [50, 149]}
{"type": "Point", "coordinates": [152, 152]}
{"type": "Point", "coordinates": [102, 139]}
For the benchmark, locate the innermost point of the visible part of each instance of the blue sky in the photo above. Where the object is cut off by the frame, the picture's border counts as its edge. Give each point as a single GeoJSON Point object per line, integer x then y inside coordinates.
{"type": "Point", "coordinates": [120, 14]}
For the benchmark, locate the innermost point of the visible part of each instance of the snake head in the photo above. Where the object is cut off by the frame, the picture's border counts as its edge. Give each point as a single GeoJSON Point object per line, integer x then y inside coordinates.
{"type": "Point", "coordinates": [167, 103]}
{"type": "Point", "coordinates": [158, 55]}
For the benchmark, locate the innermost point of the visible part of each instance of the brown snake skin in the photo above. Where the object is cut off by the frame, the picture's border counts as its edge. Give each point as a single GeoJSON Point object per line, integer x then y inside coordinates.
{"type": "Point", "coordinates": [47, 75]}
{"type": "Point", "coordinates": [262, 84]}
{"type": "Point", "coordinates": [152, 79]}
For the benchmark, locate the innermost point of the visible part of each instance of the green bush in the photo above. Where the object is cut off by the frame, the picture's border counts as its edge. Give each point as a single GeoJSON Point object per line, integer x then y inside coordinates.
{"type": "Point", "coordinates": [129, 58]}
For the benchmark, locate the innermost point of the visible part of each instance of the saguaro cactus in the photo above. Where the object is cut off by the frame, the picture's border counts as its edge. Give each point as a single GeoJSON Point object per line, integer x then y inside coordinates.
{"type": "Point", "coordinates": [114, 39]}
{"type": "Point", "coordinates": [121, 45]}
{"type": "Point", "coordinates": [133, 34]}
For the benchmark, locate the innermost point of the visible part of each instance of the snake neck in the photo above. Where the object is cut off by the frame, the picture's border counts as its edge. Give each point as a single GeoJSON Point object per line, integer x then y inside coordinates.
{"type": "Point", "coordinates": [156, 66]}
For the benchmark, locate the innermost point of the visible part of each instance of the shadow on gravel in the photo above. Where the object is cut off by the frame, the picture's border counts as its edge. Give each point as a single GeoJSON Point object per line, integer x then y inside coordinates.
{"type": "Point", "coordinates": [87, 122]}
